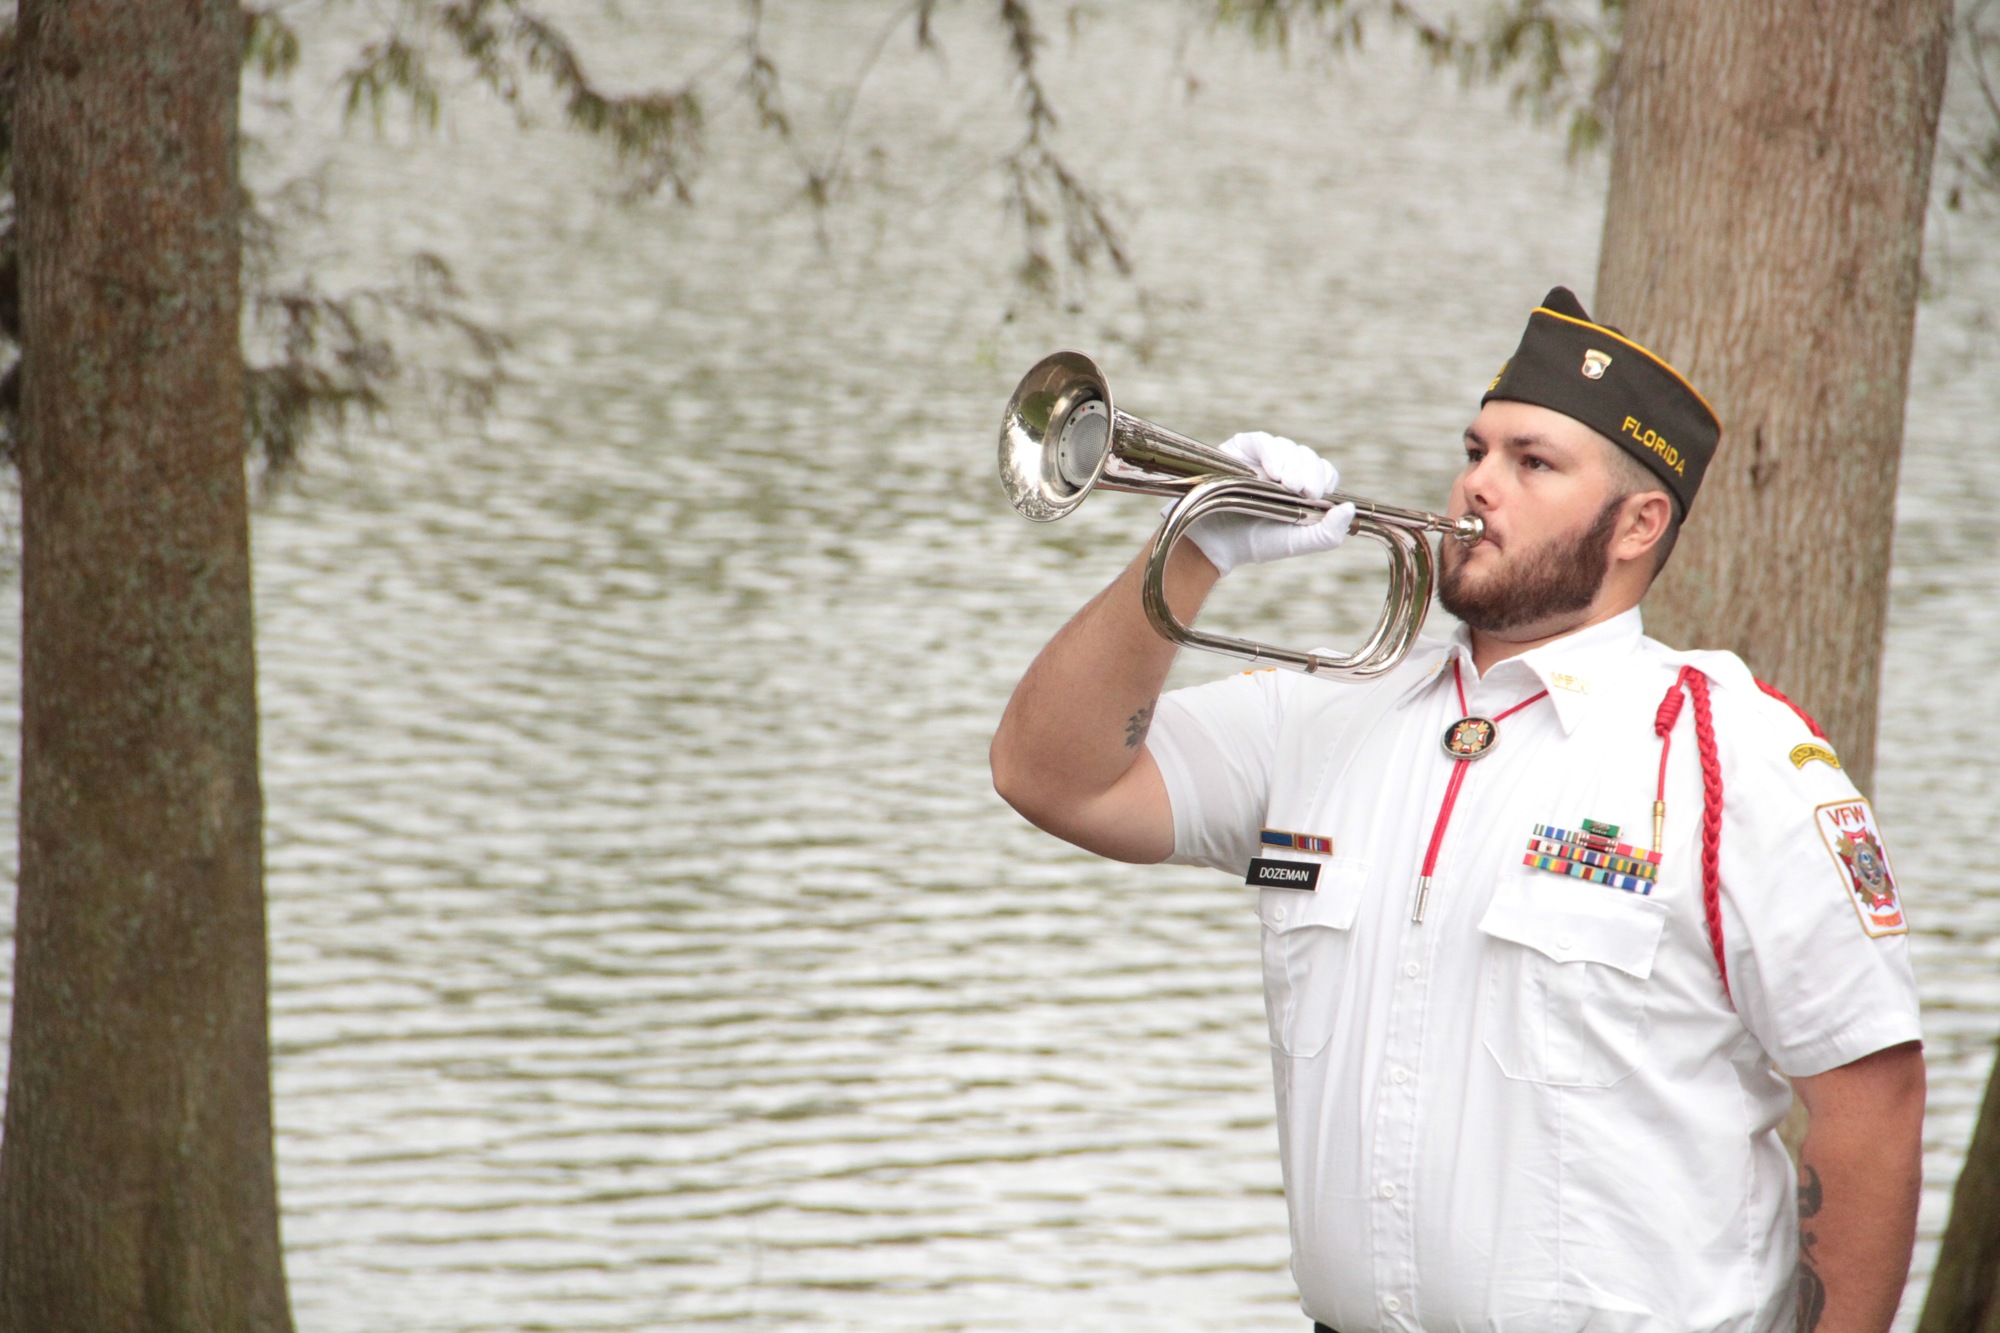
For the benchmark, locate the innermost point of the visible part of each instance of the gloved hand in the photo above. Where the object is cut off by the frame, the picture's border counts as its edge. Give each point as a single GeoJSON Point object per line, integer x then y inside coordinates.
{"type": "Point", "coordinates": [1229, 540]}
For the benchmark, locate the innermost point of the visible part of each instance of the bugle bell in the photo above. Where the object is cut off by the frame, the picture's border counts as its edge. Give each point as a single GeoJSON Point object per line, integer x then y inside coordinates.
{"type": "Point", "coordinates": [1062, 438]}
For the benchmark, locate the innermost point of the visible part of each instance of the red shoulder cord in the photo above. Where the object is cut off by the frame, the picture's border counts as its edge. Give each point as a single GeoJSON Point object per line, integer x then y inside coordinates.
{"type": "Point", "coordinates": [1711, 791]}
{"type": "Point", "coordinates": [1696, 685]}
{"type": "Point", "coordinates": [1804, 716]}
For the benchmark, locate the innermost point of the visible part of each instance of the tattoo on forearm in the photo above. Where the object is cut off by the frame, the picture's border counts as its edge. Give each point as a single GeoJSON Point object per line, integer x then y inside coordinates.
{"type": "Point", "coordinates": [1811, 1291]}
{"type": "Point", "coordinates": [1136, 727]}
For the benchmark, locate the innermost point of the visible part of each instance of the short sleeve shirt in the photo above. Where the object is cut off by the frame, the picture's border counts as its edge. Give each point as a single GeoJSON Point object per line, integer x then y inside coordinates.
{"type": "Point", "coordinates": [1538, 1108]}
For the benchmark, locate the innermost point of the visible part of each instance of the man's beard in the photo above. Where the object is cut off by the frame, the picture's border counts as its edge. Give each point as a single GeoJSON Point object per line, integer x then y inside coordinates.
{"type": "Point", "coordinates": [1560, 579]}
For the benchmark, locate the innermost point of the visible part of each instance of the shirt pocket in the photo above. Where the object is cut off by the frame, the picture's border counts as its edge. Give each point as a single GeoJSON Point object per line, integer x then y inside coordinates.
{"type": "Point", "coordinates": [1568, 969]}
{"type": "Point", "coordinates": [1308, 943]}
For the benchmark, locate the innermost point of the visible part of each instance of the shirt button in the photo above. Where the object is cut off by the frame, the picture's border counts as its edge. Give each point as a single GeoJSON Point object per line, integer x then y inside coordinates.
{"type": "Point", "coordinates": [1410, 969]}
{"type": "Point", "coordinates": [1401, 1076]}
{"type": "Point", "coordinates": [1566, 943]}
{"type": "Point", "coordinates": [1280, 914]}
{"type": "Point", "coordinates": [1388, 1191]}
{"type": "Point", "coordinates": [1392, 1305]}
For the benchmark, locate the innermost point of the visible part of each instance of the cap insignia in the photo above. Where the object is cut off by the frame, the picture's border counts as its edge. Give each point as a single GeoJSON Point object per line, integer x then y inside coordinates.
{"type": "Point", "coordinates": [1594, 364]}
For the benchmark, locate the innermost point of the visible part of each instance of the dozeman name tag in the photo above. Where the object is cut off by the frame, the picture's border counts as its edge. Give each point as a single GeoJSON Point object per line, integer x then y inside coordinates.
{"type": "Point", "coordinates": [1266, 873]}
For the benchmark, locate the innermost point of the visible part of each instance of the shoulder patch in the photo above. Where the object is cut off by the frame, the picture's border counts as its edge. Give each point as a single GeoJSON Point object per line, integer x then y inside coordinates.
{"type": "Point", "coordinates": [1848, 828]}
{"type": "Point", "coordinates": [1804, 754]}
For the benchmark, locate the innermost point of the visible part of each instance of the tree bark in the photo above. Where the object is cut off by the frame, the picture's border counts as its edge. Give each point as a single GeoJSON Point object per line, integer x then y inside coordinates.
{"type": "Point", "coordinates": [1770, 168]}
{"type": "Point", "coordinates": [137, 1186]}
{"type": "Point", "coordinates": [1965, 1286]}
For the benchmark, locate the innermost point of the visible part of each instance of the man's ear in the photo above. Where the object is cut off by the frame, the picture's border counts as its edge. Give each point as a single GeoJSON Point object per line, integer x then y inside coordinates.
{"type": "Point", "coordinates": [1645, 521]}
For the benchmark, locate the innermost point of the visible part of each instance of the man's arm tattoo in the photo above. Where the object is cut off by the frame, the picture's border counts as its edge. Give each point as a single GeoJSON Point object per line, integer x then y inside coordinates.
{"type": "Point", "coordinates": [1136, 727]}
{"type": "Point", "coordinates": [1811, 1291]}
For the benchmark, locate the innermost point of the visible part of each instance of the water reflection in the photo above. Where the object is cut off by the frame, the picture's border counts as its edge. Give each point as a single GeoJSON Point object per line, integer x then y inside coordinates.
{"type": "Point", "coordinates": [648, 946]}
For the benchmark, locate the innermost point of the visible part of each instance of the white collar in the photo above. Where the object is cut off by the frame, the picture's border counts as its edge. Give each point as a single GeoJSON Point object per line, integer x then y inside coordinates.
{"type": "Point", "coordinates": [1570, 668]}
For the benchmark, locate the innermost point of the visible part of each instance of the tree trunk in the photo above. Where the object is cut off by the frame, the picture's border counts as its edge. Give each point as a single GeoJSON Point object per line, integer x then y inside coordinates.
{"type": "Point", "coordinates": [137, 1188]}
{"type": "Point", "coordinates": [1769, 172]}
{"type": "Point", "coordinates": [1965, 1285]}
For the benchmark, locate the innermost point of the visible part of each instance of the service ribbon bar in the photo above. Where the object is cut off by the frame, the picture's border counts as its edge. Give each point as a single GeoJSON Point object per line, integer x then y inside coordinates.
{"type": "Point", "coordinates": [1621, 865]}
{"type": "Point", "coordinates": [1563, 866]}
{"type": "Point", "coordinates": [1596, 843]}
{"type": "Point", "coordinates": [1298, 842]}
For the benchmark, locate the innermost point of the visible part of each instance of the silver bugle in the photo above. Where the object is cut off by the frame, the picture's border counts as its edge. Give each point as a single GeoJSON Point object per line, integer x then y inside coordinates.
{"type": "Point", "coordinates": [1062, 438]}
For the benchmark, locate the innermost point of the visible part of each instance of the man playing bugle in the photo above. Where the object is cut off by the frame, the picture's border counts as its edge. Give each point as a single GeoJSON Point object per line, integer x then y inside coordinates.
{"type": "Point", "coordinates": [1555, 918]}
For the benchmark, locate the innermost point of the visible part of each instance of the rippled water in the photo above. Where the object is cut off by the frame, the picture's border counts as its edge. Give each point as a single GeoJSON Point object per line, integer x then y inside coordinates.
{"type": "Point", "coordinates": [648, 946]}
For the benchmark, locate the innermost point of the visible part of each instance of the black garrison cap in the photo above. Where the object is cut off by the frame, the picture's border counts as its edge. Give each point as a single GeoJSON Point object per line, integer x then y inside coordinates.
{"type": "Point", "coordinates": [1617, 388]}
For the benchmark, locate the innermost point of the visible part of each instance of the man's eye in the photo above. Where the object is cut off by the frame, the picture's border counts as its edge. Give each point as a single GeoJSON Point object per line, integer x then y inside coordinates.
{"type": "Point", "coordinates": [1535, 464]}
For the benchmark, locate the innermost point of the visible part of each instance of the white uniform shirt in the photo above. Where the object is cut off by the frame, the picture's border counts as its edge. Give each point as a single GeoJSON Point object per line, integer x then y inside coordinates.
{"type": "Point", "coordinates": [1537, 1109]}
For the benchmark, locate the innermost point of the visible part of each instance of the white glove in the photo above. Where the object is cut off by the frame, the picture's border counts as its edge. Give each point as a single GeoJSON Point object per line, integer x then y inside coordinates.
{"type": "Point", "coordinates": [1229, 540]}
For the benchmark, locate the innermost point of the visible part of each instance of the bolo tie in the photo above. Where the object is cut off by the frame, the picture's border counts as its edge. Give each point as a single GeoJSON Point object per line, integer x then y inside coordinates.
{"type": "Point", "coordinates": [1471, 737]}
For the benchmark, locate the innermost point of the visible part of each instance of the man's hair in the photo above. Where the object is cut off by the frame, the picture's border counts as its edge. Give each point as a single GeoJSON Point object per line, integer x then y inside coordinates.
{"type": "Point", "coordinates": [1630, 477]}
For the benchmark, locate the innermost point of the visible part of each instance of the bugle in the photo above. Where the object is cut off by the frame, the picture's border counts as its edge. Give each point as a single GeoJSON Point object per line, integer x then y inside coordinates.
{"type": "Point", "coordinates": [1062, 438]}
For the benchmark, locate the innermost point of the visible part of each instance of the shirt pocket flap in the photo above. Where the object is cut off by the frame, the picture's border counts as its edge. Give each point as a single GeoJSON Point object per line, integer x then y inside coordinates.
{"type": "Point", "coordinates": [1571, 921]}
{"type": "Point", "coordinates": [1332, 904]}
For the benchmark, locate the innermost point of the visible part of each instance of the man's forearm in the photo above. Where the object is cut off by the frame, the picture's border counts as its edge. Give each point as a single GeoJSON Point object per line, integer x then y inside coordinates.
{"type": "Point", "coordinates": [1077, 722]}
{"type": "Point", "coordinates": [1860, 1172]}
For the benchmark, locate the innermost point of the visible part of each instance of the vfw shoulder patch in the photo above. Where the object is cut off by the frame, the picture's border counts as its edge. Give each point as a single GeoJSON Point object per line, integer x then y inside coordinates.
{"type": "Point", "coordinates": [1849, 830]}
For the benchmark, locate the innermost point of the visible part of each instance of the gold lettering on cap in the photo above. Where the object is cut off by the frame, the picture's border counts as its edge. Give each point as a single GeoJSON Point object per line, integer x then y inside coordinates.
{"type": "Point", "coordinates": [1653, 440]}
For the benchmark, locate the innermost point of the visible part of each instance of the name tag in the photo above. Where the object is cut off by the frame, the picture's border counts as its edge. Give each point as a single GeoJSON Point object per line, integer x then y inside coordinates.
{"type": "Point", "coordinates": [1266, 873]}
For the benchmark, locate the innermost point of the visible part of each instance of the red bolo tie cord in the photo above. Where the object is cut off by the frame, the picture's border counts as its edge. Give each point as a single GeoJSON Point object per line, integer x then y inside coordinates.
{"type": "Point", "coordinates": [1451, 795]}
{"type": "Point", "coordinates": [1696, 685]}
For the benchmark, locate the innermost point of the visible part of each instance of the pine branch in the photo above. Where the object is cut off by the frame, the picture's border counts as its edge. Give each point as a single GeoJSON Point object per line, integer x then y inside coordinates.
{"type": "Point", "coordinates": [270, 44]}
{"type": "Point", "coordinates": [656, 135]}
{"type": "Point", "coordinates": [1556, 56]}
{"type": "Point", "coordinates": [1043, 190]}
{"type": "Point", "coordinates": [318, 360]}
{"type": "Point", "coordinates": [388, 67]}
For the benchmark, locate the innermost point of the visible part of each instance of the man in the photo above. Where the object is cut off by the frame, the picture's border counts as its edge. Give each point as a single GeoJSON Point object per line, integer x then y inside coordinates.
{"type": "Point", "coordinates": [1544, 960]}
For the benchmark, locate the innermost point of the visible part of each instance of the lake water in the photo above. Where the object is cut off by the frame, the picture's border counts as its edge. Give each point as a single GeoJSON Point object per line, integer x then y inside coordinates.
{"type": "Point", "coordinates": [648, 947]}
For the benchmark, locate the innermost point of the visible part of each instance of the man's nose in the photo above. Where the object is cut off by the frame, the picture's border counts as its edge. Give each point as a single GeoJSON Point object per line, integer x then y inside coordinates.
{"type": "Point", "coordinates": [1479, 484]}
